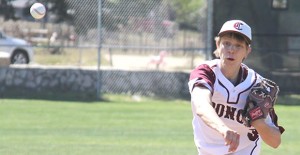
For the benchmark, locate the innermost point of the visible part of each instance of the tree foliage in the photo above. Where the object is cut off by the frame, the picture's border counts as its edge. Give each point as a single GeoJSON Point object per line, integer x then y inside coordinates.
{"type": "Point", "coordinates": [7, 10]}
{"type": "Point", "coordinates": [60, 9]}
{"type": "Point", "coordinates": [187, 12]}
{"type": "Point", "coordinates": [114, 12]}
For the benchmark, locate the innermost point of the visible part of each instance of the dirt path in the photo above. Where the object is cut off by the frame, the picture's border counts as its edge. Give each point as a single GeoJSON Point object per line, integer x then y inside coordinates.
{"type": "Point", "coordinates": [136, 62]}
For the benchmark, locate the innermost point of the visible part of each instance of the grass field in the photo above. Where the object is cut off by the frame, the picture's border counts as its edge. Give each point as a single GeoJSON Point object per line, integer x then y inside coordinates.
{"type": "Point", "coordinates": [119, 125]}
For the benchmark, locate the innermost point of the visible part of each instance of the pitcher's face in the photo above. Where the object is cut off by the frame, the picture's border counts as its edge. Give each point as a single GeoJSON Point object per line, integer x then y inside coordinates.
{"type": "Point", "coordinates": [232, 51]}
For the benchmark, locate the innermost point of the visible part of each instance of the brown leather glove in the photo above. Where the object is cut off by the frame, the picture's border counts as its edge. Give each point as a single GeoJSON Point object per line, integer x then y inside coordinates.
{"type": "Point", "coordinates": [260, 101]}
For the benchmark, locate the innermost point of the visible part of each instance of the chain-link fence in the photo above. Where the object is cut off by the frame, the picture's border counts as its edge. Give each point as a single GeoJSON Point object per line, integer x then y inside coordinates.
{"type": "Point", "coordinates": [141, 35]}
{"type": "Point", "coordinates": [147, 36]}
{"type": "Point", "coordinates": [137, 34]}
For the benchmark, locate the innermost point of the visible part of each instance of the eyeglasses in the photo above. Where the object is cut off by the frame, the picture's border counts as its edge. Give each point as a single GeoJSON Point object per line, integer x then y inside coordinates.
{"type": "Point", "coordinates": [229, 46]}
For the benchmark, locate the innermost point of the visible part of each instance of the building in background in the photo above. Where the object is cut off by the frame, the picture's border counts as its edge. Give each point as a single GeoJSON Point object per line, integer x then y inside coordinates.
{"type": "Point", "coordinates": [275, 27]}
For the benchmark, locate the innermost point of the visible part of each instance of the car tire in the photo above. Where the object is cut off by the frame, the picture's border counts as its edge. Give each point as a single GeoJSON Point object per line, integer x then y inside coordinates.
{"type": "Point", "coordinates": [19, 57]}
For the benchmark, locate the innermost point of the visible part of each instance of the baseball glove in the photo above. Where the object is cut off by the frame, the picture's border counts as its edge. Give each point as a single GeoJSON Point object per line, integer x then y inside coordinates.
{"type": "Point", "coordinates": [260, 101]}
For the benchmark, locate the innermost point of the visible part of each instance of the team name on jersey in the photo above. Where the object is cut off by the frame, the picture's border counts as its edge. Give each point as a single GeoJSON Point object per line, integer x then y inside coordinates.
{"type": "Point", "coordinates": [236, 115]}
{"type": "Point", "coordinates": [228, 112]}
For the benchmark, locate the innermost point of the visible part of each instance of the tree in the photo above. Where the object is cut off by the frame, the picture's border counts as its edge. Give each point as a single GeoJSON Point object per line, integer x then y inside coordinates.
{"type": "Point", "coordinates": [187, 13]}
{"type": "Point", "coordinates": [7, 10]}
{"type": "Point", "coordinates": [60, 9]}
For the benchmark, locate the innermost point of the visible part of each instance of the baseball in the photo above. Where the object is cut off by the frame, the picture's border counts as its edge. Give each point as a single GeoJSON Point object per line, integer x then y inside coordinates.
{"type": "Point", "coordinates": [37, 10]}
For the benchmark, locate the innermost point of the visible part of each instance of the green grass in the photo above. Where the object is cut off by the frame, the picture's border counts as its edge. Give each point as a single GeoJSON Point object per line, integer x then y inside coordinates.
{"type": "Point", "coordinates": [119, 125]}
{"type": "Point", "coordinates": [116, 127]}
{"type": "Point", "coordinates": [290, 142]}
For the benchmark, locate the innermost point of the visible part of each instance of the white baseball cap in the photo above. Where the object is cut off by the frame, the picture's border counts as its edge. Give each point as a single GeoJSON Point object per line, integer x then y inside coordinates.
{"type": "Point", "coordinates": [237, 26]}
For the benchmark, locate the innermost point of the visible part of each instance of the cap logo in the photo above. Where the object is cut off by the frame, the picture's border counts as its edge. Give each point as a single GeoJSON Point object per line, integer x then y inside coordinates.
{"type": "Point", "coordinates": [238, 26]}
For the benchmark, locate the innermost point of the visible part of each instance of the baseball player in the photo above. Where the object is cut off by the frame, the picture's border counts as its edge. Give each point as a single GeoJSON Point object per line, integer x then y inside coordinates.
{"type": "Point", "coordinates": [219, 89]}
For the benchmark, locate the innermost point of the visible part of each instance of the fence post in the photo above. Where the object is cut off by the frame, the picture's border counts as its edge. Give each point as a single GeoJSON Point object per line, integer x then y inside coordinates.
{"type": "Point", "coordinates": [99, 25]}
{"type": "Point", "coordinates": [209, 34]}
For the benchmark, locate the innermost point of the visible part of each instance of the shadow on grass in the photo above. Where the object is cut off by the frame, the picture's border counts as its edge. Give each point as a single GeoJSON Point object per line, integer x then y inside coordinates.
{"type": "Point", "coordinates": [78, 97]}
{"type": "Point", "coordinates": [289, 99]}
{"type": "Point", "coordinates": [53, 96]}
{"type": "Point", "coordinates": [283, 99]}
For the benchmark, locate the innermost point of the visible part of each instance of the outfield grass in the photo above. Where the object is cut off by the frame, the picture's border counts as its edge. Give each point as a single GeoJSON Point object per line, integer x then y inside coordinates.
{"type": "Point", "coordinates": [117, 126]}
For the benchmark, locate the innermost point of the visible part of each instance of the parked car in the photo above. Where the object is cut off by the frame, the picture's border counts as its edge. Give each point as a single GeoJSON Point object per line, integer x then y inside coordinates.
{"type": "Point", "coordinates": [19, 50]}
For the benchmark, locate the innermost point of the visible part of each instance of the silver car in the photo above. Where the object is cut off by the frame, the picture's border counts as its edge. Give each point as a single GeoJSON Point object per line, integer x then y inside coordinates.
{"type": "Point", "coordinates": [19, 50]}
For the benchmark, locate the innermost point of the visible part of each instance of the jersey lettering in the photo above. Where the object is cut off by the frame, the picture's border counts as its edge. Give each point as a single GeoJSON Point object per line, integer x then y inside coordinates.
{"type": "Point", "coordinates": [231, 113]}
{"type": "Point", "coordinates": [219, 108]}
{"type": "Point", "coordinates": [228, 112]}
{"type": "Point", "coordinates": [239, 116]}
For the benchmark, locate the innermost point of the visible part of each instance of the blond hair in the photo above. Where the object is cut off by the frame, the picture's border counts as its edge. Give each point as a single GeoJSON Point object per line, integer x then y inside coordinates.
{"type": "Point", "coordinates": [231, 35]}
